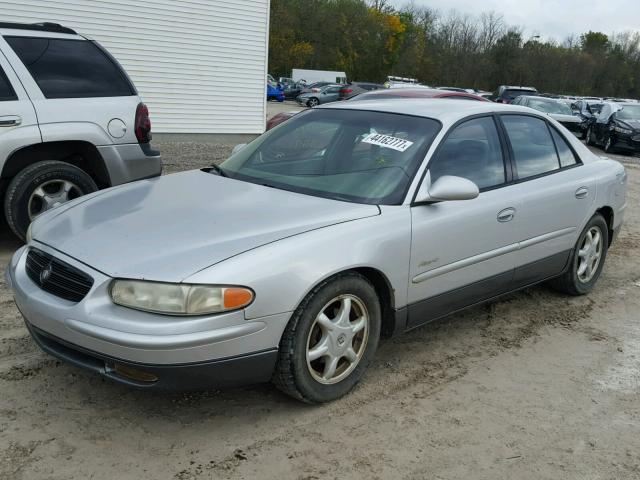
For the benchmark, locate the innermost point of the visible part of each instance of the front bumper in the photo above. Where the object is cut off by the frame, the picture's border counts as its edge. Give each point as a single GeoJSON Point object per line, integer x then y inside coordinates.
{"type": "Point", "coordinates": [110, 332]}
{"type": "Point", "coordinates": [229, 372]}
{"type": "Point", "coordinates": [128, 162]}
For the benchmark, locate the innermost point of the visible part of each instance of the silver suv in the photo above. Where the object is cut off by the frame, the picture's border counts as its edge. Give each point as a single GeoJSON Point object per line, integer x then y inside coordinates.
{"type": "Point", "coordinates": [71, 121]}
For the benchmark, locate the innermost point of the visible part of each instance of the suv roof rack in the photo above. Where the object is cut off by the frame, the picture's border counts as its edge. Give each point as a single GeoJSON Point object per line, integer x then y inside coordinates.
{"type": "Point", "coordinates": [42, 27]}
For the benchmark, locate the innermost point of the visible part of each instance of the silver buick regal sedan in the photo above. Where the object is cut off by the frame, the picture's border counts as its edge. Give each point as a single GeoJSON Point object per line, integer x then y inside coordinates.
{"type": "Point", "coordinates": [290, 260]}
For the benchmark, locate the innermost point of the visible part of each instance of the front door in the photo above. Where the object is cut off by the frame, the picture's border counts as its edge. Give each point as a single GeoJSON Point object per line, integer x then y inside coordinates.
{"type": "Point", "coordinates": [463, 252]}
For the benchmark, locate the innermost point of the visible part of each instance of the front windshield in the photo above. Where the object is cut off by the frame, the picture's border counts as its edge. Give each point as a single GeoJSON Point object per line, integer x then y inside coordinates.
{"type": "Point", "coordinates": [629, 112]}
{"type": "Point", "coordinates": [351, 155]}
{"type": "Point", "coordinates": [550, 107]}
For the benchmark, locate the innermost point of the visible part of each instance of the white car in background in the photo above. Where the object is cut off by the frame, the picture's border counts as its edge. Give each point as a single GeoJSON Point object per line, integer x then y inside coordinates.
{"type": "Point", "coordinates": [71, 121]}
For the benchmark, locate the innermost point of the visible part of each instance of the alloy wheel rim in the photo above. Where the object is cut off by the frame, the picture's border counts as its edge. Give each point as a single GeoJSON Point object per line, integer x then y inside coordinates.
{"type": "Point", "coordinates": [589, 255]}
{"type": "Point", "coordinates": [337, 339]}
{"type": "Point", "coordinates": [50, 195]}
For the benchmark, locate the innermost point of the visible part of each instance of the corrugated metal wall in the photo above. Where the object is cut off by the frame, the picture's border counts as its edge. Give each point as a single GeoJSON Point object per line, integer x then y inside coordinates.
{"type": "Point", "coordinates": [199, 64]}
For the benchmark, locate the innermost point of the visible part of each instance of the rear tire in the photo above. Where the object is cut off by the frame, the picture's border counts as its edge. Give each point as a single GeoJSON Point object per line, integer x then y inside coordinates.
{"type": "Point", "coordinates": [587, 259]}
{"type": "Point", "coordinates": [329, 343]}
{"type": "Point", "coordinates": [40, 187]}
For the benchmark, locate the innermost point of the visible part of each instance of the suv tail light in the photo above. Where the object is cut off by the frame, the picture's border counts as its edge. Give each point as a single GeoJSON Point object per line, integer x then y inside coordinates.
{"type": "Point", "coordinates": [142, 125]}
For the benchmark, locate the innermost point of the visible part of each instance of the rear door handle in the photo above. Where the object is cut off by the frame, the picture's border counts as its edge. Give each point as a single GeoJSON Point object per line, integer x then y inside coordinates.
{"type": "Point", "coordinates": [10, 121]}
{"type": "Point", "coordinates": [506, 215]}
{"type": "Point", "coordinates": [582, 192]}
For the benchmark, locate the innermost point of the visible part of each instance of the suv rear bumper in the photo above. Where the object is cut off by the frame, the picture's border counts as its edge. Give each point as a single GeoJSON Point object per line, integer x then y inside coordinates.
{"type": "Point", "coordinates": [132, 161]}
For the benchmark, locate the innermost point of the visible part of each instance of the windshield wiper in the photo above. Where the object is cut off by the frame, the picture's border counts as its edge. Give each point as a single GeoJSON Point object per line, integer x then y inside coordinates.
{"type": "Point", "coordinates": [216, 169]}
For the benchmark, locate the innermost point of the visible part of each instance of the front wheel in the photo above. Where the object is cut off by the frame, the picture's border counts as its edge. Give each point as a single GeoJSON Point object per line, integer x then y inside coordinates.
{"type": "Point", "coordinates": [587, 259]}
{"type": "Point", "coordinates": [313, 102]}
{"type": "Point", "coordinates": [330, 340]}
{"type": "Point", "coordinates": [589, 136]}
{"type": "Point", "coordinates": [608, 145]}
{"type": "Point", "coordinates": [41, 187]}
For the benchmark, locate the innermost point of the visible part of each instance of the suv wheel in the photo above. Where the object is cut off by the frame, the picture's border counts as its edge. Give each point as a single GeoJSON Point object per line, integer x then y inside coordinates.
{"type": "Point", "coordinates": [41, 187]}
{"type": "Point", "coordinates": [330, 340]}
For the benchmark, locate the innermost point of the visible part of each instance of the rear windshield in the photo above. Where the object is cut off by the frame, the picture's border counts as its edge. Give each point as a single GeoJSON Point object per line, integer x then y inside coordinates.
{"type": "Point", "coordinates": [513, 93]}
{"type": "Point", "coordinates": [350, 155]}
{"type": "Point", "coordinates": [71, 68]}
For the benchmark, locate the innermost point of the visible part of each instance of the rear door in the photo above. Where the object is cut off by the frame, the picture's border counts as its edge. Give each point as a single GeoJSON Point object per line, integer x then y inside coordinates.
{"type": "Point", "coordinates": [18, 121]}
{"type": "Point", "coordinates": [71, 79]}
{"type": "Point", "coordinates": [330, 94]}
{"type": "Point", "coordinates": [556, 192]}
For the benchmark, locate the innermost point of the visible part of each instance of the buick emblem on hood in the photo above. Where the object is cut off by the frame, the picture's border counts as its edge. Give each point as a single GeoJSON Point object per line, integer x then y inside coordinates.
{"type": "Point", "coordinates": [45, 274]}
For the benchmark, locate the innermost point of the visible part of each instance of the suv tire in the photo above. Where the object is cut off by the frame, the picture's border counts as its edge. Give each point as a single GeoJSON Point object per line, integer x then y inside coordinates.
{"type": "Point", "coordinates": [349, 306]}
{"type": "Point", "coordinates": [58, 181]}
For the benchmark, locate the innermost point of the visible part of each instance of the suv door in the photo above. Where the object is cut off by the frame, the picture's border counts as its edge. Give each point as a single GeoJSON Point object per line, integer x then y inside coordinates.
{"type": "Point", "coordinates": [463, 252]}
{"type": "Point", "coordinates": [556, 192]}
{"type": "Point", "coordinates": [71, 79]}
{"type": "Point", "coordinates": [18, 121]}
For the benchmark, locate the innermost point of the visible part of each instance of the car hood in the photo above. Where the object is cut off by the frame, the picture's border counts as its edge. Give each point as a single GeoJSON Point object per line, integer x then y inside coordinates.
{"type": "Point", "coordinates": [630, 124]}
{"type": "Point", "coordinates": [565, 118]}
{"type": "Point", "coordinates": [170, 227]}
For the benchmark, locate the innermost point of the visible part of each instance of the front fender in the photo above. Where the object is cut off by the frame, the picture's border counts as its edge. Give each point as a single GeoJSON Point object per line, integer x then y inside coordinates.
{"type": "Point", "coordinates": [282, 273]}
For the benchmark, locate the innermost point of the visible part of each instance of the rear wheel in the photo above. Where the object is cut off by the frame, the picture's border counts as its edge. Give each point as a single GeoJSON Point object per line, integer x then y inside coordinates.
{"type": "Point", "coordinates": [587, 260]}
{"type": "Point", "coordinates": [330, 340]}
{"type": "Point", "coordinates": [41, 187]}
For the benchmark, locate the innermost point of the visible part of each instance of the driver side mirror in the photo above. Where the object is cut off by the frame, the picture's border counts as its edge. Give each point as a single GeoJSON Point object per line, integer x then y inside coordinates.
{"type": "Point", "coordinates": [237, 148]}
{"type": "Point", "coordinates": [447, 188]}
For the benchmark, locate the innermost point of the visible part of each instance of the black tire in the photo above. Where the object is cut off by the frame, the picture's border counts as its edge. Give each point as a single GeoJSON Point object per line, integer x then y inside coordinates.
{"type": "Point", "coordinates": [313, 102]}
{"type": "Point", "coordinates": [292, 374]}
{"type": "Point", "coordinates": [589, 136]}
{"type": "Point", "coordinates": [25, 183]}
{"type": "Point", "coordinates": [569, 282]}
{"type": "Point", "coordinates": [608, 145]}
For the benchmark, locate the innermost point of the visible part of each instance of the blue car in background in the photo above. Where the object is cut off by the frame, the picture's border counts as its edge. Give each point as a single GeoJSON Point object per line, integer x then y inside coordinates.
{"type": "Point", "coordinates": [275, 92]}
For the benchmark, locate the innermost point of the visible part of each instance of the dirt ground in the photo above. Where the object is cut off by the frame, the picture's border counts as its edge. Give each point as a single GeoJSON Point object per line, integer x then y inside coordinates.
{"type": "Point", "coordinates": [536, 386]}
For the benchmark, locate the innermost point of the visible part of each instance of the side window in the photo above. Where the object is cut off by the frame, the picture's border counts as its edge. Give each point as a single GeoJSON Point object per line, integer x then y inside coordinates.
{"type": "Point", "coordinates": [472, 150]}
{"type": "Point", "coordinates": [6, 90]}
{"type": "Point", "coordinates": [533, 149]}
{"type": "Point", "coordinates": [333, 89]}
{"type": "Point", "coordinates": [70, 68]}
{"type": "Point", "coordinates": [567, 158]}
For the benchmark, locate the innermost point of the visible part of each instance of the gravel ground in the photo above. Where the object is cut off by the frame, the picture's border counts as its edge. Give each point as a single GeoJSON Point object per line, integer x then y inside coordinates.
{"type": "Point", "coordinates": [535, 386]}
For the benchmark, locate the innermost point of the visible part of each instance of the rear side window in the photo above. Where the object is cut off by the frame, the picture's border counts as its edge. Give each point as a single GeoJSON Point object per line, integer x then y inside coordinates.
{"type": "Point", "coordinates": [472, 151]}
{"type": "Point", "coordinates": [567, 158]}
{"type": "Point", "coordinates": [6, 90]}
{"type": "Point", "coordinates": [71, 68]}
{"type": "Point", "coordinates": [533, 149]}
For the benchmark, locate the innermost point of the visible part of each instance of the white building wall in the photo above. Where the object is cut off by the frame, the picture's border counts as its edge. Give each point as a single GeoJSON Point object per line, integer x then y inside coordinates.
{"type": "Point", "coordinates": [200, 65]}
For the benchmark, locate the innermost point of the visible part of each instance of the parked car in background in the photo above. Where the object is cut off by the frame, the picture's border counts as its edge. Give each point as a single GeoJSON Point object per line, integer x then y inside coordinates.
{"type": "Point", "coordinates": [326, 94]}
{"type": "Point", "coordinates": [556, 109]}
{"type": "Point", "coordinates": [413, 91]}
{"type": "Point", "coordinates": [616, 128]}
{"type": "Point", "coordinates": [417, 92]}
{"type": "Point", "coordinates": [275, 92]}
{"type": "Point", "coordinates": [586, 109]}
{"type": "Point", "coordinates": [506, 94]}
{"type": "Point", "coordinates": [356, 88]}
{"type": "Point", "coordinates": [71, 121]}
{"type": "Point", "coordinates": [315, 87]}
{"type": "Point", "coordinates": [299, 252]}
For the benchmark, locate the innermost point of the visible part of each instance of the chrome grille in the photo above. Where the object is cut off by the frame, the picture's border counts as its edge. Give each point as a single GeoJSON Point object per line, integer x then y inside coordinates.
{"type": "Point", "coordinates": [57, 277]}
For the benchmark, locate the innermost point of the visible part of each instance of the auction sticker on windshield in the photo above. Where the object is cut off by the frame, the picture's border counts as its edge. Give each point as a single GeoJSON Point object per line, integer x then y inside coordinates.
{"type": "Point", "coordinates": [387, 141]}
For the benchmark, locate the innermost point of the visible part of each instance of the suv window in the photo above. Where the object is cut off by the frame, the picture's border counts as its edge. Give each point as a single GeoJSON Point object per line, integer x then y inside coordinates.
{"type": "Point", "coordinates": [6, 90]}
{"type": "Point", "coordinates": [533, 149]}
{"type": "Point", "coordinates": [472, 150]}
{"type": "Point", "coordinates": [567, 158]}
{"type": "Point", "coordinates": [71, 68]}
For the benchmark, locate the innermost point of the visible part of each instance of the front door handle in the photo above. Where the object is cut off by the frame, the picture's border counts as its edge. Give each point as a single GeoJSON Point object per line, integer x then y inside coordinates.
{"type": "Point", "coordinates": [10, 121]}
{"type": "Point", "coordinates": [582, 192]}
{"type": "Point", "coordinates": [506, 215]}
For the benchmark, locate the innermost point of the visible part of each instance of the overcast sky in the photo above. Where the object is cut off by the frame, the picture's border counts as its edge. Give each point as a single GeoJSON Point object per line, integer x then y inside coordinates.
{"type": "Point", "coordinates": [552, 18]}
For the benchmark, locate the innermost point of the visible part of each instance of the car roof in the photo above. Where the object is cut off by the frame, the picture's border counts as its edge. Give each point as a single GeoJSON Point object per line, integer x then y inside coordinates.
{"type": "Point", "coordinates": [516, 87]}
{"type": "Point", "coordinates": [448, 111]}
{"type": "Point", "coordinates": [45, 29]}
{"type": "Point", "coordinates": [418, 93]}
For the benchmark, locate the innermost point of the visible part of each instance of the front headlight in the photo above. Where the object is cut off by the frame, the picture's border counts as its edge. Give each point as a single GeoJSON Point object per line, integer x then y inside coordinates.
{"type": "Point", "coordinates": [179, 298]}
{"type": "Point", "coordinates": [624, 131]}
